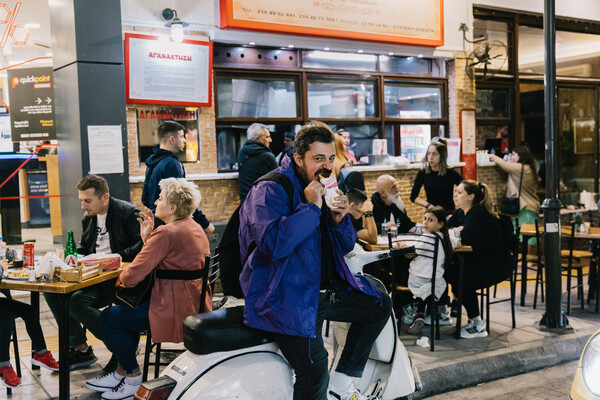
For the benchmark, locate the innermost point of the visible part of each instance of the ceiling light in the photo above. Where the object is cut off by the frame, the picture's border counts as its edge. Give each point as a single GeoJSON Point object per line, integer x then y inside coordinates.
{"type": "Point", "coordinates": [360, 51]}
{"type": "Point", "coordinates": [251, 43]}
{"type": "Point", "coordinates": [326, 49]}
{"type": "Point", "coordinates": [291, 46]}
{"type": "Point", "coordinates": [420, 56]}
{"type": "Point", "coordinates": [390, 54]}
{"type": "Point", "coordinates": [174, 23]}
{"type": "Point", "coordinates": [323, 55]}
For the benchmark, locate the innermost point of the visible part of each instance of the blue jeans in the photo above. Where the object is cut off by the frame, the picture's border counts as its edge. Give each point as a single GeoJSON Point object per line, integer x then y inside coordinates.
{"type": "Point", "coordinates": [308, 356]}
{"type": "Point", "coordinates": [122, 327]}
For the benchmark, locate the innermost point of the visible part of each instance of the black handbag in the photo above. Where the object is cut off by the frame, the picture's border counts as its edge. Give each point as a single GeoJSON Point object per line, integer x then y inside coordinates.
{"type": "Point", "coordinates": [138, 294]}
{"type": "Point", "coordinates": [512, 205]}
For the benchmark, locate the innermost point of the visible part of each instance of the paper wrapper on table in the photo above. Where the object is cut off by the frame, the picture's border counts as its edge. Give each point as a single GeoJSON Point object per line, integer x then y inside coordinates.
{"type": "Point", "coordinates": [108, 262]}
{"type": "Point", "coordinates": [44, 267]}
{"type": "Point", "coordinates": [331, 188]}
{"type": "Point", "coordinates": [78, 274]}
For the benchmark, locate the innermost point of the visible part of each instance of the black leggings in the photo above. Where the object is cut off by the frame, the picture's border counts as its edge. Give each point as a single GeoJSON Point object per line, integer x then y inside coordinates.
{"type": "Point", "coordinates": [11, 309]}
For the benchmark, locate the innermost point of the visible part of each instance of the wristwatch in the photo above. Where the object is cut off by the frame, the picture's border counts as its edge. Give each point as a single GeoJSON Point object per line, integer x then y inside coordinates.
{"type": "Point", "coordinates": [368, 214]}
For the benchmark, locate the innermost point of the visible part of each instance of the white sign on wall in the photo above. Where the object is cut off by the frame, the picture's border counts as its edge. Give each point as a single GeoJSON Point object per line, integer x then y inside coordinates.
{"type": "Point", "coordinates": [160, 71]}
{"type": "Point", "coordinates": [105, 149]}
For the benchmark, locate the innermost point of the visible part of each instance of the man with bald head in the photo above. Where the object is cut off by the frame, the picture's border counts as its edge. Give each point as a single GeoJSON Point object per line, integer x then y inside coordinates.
{"type": "Point", "coordinates": [387, 202]}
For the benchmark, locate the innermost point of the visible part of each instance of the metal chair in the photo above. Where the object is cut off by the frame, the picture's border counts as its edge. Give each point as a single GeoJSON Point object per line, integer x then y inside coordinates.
{"type": "Point", "coordinates": [210, 274]}
{"type": "Point", "coordinates": [574, 261]}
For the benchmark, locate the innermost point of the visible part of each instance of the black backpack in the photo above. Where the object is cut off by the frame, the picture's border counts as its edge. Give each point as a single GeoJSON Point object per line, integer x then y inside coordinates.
{"type": "Point", "coordinates": [228, 250]}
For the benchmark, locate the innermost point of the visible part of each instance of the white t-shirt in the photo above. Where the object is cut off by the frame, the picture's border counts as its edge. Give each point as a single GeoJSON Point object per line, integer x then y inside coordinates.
{"type": "Point", "coordinates": [102, 237]}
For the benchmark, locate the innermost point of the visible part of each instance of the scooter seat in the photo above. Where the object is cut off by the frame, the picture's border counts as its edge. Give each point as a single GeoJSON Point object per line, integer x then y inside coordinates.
{"type": "Point", "coordinates": [220, 330]}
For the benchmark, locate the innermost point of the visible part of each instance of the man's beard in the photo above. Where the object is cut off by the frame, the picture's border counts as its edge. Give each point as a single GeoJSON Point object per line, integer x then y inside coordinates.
{"type": "Point", "coordinates": [397, 201]}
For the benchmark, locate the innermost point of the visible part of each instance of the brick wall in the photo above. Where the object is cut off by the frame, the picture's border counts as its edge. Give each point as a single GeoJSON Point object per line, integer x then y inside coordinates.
{"type": "Point", "coordinates": [495, 179]}
{"type": "Point", "coordinates": [461, 91]}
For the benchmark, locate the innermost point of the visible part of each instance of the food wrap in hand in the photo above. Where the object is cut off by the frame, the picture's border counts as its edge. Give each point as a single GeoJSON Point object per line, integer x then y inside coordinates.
{"type": "Point", "coordinates": [331, 188]}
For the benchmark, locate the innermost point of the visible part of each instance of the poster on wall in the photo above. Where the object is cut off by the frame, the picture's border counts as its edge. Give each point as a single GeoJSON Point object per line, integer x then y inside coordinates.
{"type": "Point", "coordinates": [105, 156]}
{"type": "Point", "coordinates": [160, 71]}
{"type": "Point", "coordinates": [394, 21]}
{"type": "Point", "coordinates": [468, 135]}
{"type": "Point", "coordinates": [31, 95]}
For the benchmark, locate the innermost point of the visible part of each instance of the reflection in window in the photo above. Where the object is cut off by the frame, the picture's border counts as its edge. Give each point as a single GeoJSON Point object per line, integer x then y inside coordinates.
{"type": "Point", "coordinates": [148, 120]}
{"type": "Point", "coordinates": [413, 102]}
{"type": "Point", "coordinates": [493, 103]}
{"type": "Point", "coordinates": [494, 137]}
{"type": "Point", "coordinates": [361, 138]}
{"type": "Point", "coordinates": [339, 99]}
{"type": "Point", "coordinates": [405, 65]}
{"type": "Point", "coordinates": [256, 98]}
{"type": "Point", "coordinates": [576, 53]}
{"type": "Point", "coordinates": [230, 138]}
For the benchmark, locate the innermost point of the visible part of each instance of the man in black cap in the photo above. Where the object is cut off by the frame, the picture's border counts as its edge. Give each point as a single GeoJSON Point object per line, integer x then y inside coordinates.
{"type": "Point", "coordinates": [288, 144]}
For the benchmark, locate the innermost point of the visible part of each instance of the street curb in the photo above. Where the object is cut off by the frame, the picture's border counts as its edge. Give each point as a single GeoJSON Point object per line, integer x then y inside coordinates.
{"type": "Point", "coordinates": [516, 360]}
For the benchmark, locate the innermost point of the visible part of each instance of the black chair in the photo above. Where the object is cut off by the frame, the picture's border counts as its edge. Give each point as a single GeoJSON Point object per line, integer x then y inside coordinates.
{"type": "Point", "coordinates": [485, 292]}
{"type": "Point", "coordinates": [539, 278]}
{"type": "Point", "coordinates": [593, 279]}
{"type": "Point", "coordinates": [573, 260]}
{"type": "Point", "coordinates": [210, 274]}
{"type": "Point", "coordinates": [15, 341]}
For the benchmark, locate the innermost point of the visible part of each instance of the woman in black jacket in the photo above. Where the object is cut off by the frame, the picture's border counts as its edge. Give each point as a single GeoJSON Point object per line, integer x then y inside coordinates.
{"type": "Point", "coordinates": [491, 262]}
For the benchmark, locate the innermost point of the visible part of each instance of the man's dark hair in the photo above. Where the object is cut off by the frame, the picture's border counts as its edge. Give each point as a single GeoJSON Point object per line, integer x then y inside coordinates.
{"type": "Point", "coordinates": [169, 128]}
{"type": "Point", "coordinates": [313, 131]}
{"type": "Point", "coordinates": [95, 182]}
{"type": "Point", "coordinates": [356, 196]}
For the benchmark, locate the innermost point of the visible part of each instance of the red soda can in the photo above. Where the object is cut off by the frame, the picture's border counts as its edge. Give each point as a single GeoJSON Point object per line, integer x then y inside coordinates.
{"type": "Point", "coordinates": [28, 255]}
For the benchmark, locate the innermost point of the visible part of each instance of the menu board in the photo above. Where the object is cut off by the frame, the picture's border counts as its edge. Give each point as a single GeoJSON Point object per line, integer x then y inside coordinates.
{"type": "Point", "coordinates": [160, 71]}
{"type": "Point", "coordinates": [31, 96]}
{"type": "Point", "coordinates": [395, 21]}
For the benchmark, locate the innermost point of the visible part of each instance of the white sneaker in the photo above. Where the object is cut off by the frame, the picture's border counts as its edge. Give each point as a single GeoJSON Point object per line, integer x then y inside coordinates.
{"type": "Point", "coordinates": [124, 390]}
{"type": "Point", "coordinates": [444, 318]}
{"type": "Point", "coordinates": [351, 394]}
{"type": "Point", "coordinates": [104, 382]}
{"type": "Point", "coordinates": [473, 330]}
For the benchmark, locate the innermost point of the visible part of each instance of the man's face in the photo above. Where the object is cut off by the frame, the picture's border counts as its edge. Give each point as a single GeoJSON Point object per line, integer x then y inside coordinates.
{"type": "Point", "coordinates": [179, 141]}
{"type": "Point", "coordinates": [390, 191]}
{"type": "Point", "coordinates": [318, 159]}
{"type": "Point", "coordinates": [287, 142]}
{"type": "Point", "coordinates": [346, 137]}
{"type": "Point", "coordinates": [265, 138]}
{"type": "Point", "coordinates": [92, 204]}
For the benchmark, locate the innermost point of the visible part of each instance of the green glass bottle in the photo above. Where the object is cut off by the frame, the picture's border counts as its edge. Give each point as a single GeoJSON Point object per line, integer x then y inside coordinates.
{"type": "Point", "coordinates": [71, 251]}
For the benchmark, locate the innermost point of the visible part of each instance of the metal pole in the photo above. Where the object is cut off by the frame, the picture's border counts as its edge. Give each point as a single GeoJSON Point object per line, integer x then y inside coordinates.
{"type": "Point", "coordinates": [553, 318]}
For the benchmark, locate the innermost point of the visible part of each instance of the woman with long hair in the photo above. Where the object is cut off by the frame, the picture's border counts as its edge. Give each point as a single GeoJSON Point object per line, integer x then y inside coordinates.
{"type": "Point", "coordinates": [341, 161]}
{"type": "Point", "coordinates": [478, 226]}
{"type": "Point", "coordinates": [439, 180]}
{"type": "Point", "coordinates": [522, 164]}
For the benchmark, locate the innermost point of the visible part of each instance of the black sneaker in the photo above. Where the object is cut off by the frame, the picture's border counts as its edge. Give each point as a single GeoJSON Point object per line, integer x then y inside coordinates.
{"type": "Point", "coordinates": [80, 359]}
{"type": "Point", "coordinates": [111, 366]}
{"type": "Point", "coordinates": [454, 309]}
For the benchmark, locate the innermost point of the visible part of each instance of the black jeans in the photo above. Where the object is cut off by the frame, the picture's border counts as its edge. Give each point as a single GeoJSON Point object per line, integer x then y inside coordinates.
{"type": "Point", "coordinates": [308, 356]}
{"type": "Point", "coordinates": [11, 309]}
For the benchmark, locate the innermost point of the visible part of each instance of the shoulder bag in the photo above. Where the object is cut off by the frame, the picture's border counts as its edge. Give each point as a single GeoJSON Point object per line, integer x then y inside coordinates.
{"type": "Point", "coordinates": [512, 205]}
{"type": "Point", "coordinates": [138, 294]}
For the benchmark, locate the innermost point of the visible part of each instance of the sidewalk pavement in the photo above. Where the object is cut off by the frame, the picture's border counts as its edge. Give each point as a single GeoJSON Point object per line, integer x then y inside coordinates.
{"type": "Point", "coordinates": [455, 363]}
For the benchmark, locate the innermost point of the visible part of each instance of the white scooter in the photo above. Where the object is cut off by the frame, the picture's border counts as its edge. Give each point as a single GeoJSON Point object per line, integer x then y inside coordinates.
{"type": "Point", "coordinates": [227, 360]}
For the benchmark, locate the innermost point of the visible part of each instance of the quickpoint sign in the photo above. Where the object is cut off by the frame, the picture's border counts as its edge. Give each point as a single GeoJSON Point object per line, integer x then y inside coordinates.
{"type": "Point", "coordinates": [38, 81]}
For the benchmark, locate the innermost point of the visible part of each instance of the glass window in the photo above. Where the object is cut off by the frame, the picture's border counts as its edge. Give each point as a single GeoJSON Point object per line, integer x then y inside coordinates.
{"type": "Point", "coordinates": [493, 103]}
{"type": "Point", "coordinates": [361, 137]}
{"type": "Point", "coordinates": [412, 101]}
{"type": "Point", "coordinates": [491, 37]}
{"type": "Point", "coordinates": [341, 61]}
{"type": "Point", "coordinates": [405, 65]}
{"type": "Point", "coordinates": [230, 138]}
{"type": "Point", "coordinates": [576, 53]}
{"type": "Point", "coordinates": [256, 97]}
{"type": "Point", "coordinates": [329, 98]}
{"type": "Point", "coordinates": [494, 136]}
{"type": "Point", "coordinates": [148, 120]}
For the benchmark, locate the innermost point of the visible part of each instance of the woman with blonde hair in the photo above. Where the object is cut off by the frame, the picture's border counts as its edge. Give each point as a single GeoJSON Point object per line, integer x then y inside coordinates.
{"type": "Point", "coordinates": [176, 251]}
{"type": "Point", "coordinates": [478, 226]}
{"type": "Point", "coordinates": [341, 161]}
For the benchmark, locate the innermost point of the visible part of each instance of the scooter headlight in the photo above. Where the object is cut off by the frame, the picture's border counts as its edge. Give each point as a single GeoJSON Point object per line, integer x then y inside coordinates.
{"type": "Point", "coordinates": [590, 365]}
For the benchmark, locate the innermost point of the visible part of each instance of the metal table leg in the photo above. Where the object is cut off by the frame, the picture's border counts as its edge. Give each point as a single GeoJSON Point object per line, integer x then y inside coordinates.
{"type": "Point", "coordinates": [524, 269]}
{"type": "Point", "coordinates": [63, 350]}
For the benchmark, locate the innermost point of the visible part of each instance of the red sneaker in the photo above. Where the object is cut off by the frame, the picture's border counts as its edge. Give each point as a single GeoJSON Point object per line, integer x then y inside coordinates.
{"type": "Point", "coordinates": [45, 360]}
{"type": "Point", "coordinates": [8, 377]}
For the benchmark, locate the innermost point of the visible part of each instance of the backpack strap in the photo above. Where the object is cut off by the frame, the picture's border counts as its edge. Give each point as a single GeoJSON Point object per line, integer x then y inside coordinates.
{"type": "Point", "coordinates": [281, 179]}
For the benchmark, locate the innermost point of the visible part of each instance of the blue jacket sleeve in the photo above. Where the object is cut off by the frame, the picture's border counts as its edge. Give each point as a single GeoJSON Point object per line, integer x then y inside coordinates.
{"type": "Point", "coordinates": [345, 234]}
{"type": "Point", "coordinates": [201, 219]}
{"type": "Point", "coordinates": [266, 218]}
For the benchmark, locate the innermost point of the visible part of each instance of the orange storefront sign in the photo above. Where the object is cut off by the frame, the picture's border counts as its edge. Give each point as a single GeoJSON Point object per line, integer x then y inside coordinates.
{"type": "Point", "coordinates": [395, 21]}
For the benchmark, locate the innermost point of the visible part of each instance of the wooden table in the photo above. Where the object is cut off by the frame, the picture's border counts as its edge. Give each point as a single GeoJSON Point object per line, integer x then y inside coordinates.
{"type": "Point", "coordinates": [378, 247]}
{"type": "Point", "coordinates": [528, 230]}
{"type": "Point", "coordinates": [64, 290]}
